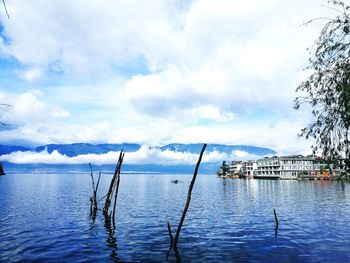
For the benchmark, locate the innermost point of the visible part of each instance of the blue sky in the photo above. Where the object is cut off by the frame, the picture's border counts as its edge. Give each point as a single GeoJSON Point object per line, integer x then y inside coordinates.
{"type": "Point", "coordinates": [156, 72]}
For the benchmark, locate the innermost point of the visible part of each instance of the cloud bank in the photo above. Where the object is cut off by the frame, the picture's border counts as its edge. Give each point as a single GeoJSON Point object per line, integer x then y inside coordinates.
{"type": "Point", "coordinates": [145, 155]}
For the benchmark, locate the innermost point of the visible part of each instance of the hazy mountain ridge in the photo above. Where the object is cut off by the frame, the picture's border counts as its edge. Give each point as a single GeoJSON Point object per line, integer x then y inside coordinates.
{"type": "Point", "coordinates": [195, 148]}
{"type": "Point", "coordinates": [7, 149]}
{"type": "Point", "coordinates": [76, 149]}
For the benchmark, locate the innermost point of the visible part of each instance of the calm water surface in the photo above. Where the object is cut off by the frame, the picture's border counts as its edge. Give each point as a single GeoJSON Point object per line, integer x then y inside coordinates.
{"type": "Point", "coordinates": [45, 217]}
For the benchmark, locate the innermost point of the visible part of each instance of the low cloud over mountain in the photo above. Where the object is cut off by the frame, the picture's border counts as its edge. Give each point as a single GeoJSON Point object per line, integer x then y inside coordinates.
{"type": "Point", "coordinates": [171, 154]}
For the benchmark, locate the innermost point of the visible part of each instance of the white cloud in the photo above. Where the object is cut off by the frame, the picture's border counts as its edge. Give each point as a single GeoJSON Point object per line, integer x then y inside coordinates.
{"type": "Point", "coordinates": [23, 108]}
{"type": "Point", "coordinates": [209, 112]}
{"type": "Point", "coordinates": [144, 155]}
{"type": "Point", "coordinates": [158, 71]}
{"type": "Point", "coordinates": [82, 35]}
{"type": "Point", "coordinates": [32, 74]}
{"type": "Point", "coordinates": [235, 58]}
{"type": "Point", "coordinates": [60, 113]}
{"type": "Point", "coordinates": [28, 110]}
{"type": "Point", "coordinates": [37, 122]}
{"type": "Point", "coordinates": [27, 105]}
{"type": "Point", "coordinates": [241, 154]}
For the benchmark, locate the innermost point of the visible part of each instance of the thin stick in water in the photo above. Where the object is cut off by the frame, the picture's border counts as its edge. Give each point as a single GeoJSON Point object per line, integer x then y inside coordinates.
{"type": "Point", "coordinates": [117, 190]}
{"type": "Point", "coordinates": [92, 177]}
{"type": "Point", "coordinates": [93, 199]}
{"type": "Point", "coordinates": [98, 181]}
{"type": "Point", "coordinates": [188, 197]}
{"type": "Point", "coordinates": [170, 236]}
{"type": "Point", "coordinates": [276, 219]}
{"type": "Point", "coordinates": [171, 241]}
{"type": "Point", "coordinates": [112, 185]}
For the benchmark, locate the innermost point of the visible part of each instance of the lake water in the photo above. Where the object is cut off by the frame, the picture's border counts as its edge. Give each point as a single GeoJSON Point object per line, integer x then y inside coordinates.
{"type": "Point", "coordinates": [46, 217]}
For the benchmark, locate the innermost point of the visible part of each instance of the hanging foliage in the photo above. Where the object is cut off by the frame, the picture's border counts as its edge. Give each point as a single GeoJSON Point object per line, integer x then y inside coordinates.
{"type": "Point", "coordinates": [327, 89]}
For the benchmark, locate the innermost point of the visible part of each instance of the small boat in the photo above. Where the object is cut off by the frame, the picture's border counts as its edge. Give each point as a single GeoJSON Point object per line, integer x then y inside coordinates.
{"type": "Point", "coordinates": [176, 181]}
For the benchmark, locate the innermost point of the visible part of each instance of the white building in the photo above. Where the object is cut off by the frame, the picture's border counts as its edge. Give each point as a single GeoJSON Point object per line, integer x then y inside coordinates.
{"type": "Point", "coordinates": [248, 168]}
{"type": "Point", "coordinates": [268, 168]}
{"type": "Point", "coordinates": [236, 167]}
{"type": "Point", "coordinates": [288, 167]}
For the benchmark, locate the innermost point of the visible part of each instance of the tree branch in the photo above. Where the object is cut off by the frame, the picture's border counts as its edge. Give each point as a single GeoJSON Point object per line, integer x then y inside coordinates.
{"type": "Point", "coordinates": [7, 13]}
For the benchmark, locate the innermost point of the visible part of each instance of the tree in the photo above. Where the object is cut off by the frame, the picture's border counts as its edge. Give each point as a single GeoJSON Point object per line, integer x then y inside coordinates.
{"type": "Point", "coordinates": [7, 13]}
{"type": "Point", "coordinates": [224, 169]}
{"type": "Point", "coordinates": [1, 104]}
{"type": "Point", "coordinates": [327, 89]}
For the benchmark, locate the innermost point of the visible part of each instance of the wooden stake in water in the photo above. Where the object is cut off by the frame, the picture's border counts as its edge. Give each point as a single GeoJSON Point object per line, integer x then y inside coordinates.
{"type": "Point", "coordinates": [1, 169]}
{"type": "Point", "coordinates": [117, 190]}
{"type": "Point", "coordinates": [112, 186]}
{"type": "Point", "coordinates": [276, 222]}
{"type": "Point", "coordinates": [170, 236]}
{"type": "Point", "coordinates": [93, 199]}
{"type": "Point", "coordinates": [177, 235]}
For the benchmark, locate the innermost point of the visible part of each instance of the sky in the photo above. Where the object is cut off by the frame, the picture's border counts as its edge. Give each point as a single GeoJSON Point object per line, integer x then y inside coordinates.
{"type": "Point", "coordinates": [156, 72]}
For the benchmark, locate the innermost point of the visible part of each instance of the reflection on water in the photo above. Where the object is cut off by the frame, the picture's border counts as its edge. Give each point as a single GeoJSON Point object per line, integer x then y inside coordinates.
{"type": "Point", "coordinates": [47, 218]}
{"type": "Point", "coordinates": [111, 237]}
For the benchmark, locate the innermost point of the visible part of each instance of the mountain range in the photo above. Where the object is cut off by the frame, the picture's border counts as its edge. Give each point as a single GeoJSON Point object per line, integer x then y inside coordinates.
{"type": "Point", "coordinates": [76, 149]}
